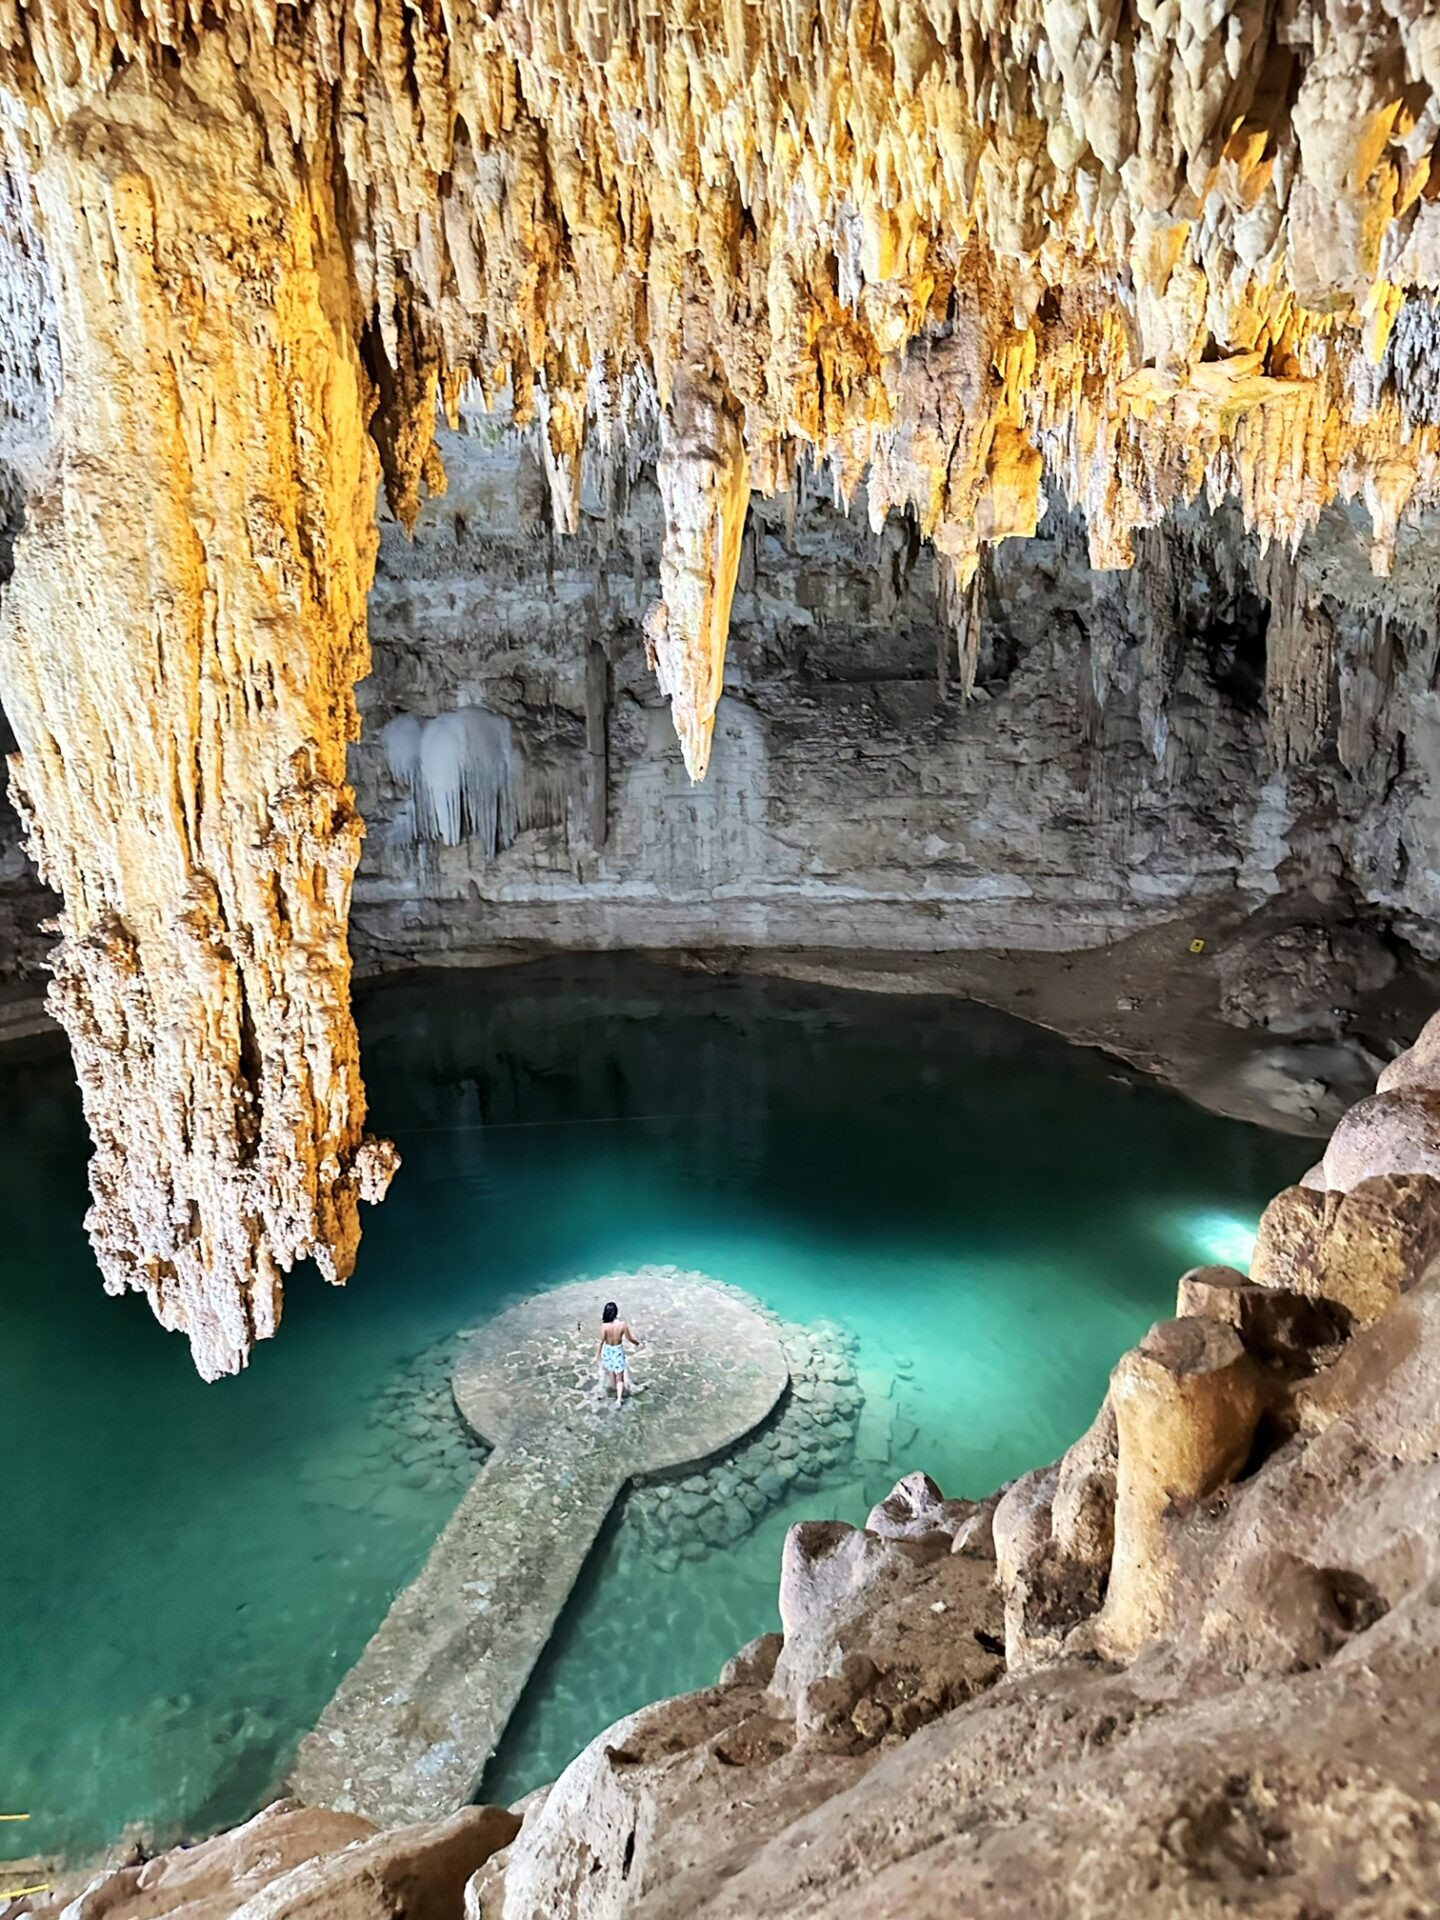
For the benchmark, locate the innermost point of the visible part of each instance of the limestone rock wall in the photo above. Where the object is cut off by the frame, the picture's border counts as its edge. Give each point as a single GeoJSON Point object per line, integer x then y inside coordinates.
{"type": "Point", "coordinates": [1131, 752]}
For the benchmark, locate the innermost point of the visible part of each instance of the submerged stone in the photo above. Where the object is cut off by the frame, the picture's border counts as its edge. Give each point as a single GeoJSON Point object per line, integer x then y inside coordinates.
{"type": "Point", "coordinates": [412, 1726]}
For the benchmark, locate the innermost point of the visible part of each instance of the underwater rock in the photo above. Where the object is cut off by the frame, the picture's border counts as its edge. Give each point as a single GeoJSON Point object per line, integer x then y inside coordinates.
{"type": "Point", "coordinates": [807, 1440]}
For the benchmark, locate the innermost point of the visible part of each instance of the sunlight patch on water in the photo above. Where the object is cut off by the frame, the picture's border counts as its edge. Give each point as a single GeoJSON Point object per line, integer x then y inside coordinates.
{"type": "Point", "coordinates": [1218, 1239]}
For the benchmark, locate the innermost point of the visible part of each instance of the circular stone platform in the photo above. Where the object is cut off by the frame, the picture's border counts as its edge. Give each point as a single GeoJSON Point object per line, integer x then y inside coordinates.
{"type": "Point", "coordinates": [411, 1726]}
{"type": "Point", "coordinates": [710, 1371]}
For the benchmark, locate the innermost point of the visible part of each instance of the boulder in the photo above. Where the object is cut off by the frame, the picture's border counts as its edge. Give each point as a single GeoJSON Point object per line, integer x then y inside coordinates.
{"type": "Point", "coordinates": [903, 1625]}
{"type": "Point", "coordinates": [1020, 1530]}
{"type": "Point", "coordinates": [1419, 1065]}
{"type": "Point", "coordinates": [914, 1507]}
{"type": "Point", "coordinates": [666, 1803]}
{"type": "Point", "coordinates": [408, 1873]}
{"type": "Point", "coordinates": [754, 1664]}
{"type": "Point", "coordinates": [1288, 1332]}
{"type": "Point", "coordinates": [212, 1880]}
{"type": "Point", "coordinates": [1082, 1514]}
{"type": "Point", "coordinates": [1021, 1525]}
{"type": "Point", "coordinates": [1396, 1132]}
{"type": "Point", "coordinates": [1052, 1535]}
{"type": "Point", "coordinates": [1359, 1249]}
{"type": "Point", "coordinates": [1288, 1241]}
{"type": "Point", "coordinates": [824, 1566]}
{"type": "Point", "coordinates": [293, 1862]}
{"type": "Point", "coordinates": [975, 1536]}
{"type": "Point", "coordinates": [1305, 978]}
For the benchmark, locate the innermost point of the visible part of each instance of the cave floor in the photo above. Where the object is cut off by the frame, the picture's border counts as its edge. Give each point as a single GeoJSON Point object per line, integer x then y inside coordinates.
{"type": "Point", "coordinates": [412, 1725]}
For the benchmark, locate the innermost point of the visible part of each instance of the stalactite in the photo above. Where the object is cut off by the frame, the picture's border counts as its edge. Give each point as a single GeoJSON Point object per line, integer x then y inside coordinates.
{"type": "Point", "coordinates": [705, 485]}
{"type": "Point", "coordinates": [597, 744]}
{"type": "Point", "coordinates": [179, 648]}
{"type": "Point", "coordinates": [1299, 663]}
{"type": "Point", "coordinates": [1364, 743]}
{"type": "Point", "coordinates": [962, 614]}
{"type": "Point", "coordinates": [467, 780]}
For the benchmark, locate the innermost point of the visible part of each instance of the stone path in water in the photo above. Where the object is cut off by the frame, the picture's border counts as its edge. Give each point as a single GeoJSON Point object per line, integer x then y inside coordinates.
{"type": "Point", "coordinates": [411, 1727]}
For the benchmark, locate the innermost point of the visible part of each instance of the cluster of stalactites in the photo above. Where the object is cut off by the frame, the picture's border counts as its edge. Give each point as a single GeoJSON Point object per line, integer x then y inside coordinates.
{"type": "Point", "coordinates": [944, 244]}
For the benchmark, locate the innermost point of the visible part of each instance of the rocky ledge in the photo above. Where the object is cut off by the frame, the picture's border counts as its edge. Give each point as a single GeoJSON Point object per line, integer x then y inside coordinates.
{"type": "Point", "coordinates": [1189, 1668]}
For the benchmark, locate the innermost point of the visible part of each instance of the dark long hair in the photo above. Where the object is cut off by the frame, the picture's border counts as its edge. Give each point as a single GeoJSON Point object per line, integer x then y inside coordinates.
{"type": "Point", "coordinates": [610, 1312]}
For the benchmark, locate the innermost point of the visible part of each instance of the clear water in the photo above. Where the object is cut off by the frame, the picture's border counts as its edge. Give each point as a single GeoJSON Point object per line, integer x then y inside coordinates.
{"type": "Point", "coordinates": [190, 1569]}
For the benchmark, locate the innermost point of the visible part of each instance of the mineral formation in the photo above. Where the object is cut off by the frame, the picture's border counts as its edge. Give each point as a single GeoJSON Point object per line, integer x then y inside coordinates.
{"type": "Point", "coordinates": [945, 248]}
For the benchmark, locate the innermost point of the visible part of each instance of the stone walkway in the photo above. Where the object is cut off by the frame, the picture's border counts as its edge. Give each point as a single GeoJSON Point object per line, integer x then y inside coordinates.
{"type": "Point", "coordinates": [408, 1732]}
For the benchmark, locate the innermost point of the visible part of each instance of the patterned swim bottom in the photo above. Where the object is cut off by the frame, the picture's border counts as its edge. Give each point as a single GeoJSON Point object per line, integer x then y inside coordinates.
{"type": "Point", "coordinates": [612, 1359]}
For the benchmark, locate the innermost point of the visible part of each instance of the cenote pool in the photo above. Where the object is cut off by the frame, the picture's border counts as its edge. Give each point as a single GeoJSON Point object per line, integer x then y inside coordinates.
{"type": "Point", "coordinates": [189, 1570]}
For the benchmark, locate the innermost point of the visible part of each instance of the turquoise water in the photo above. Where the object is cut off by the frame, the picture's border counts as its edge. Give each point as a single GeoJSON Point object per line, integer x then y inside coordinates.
{"type": "Point", "coordinates": [190, 1569]}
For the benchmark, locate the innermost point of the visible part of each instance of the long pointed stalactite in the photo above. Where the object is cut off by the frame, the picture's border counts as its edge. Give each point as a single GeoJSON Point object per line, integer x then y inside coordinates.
{"type": "Point", "coordinates": [705, 487]}
{"type": "Point", "coordinates": [179, 650]}
{"type": "Point", "coordinates": [944, 248]}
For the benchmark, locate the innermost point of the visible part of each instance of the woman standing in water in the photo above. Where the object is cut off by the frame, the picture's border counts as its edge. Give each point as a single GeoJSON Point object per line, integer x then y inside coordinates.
{"type": "Point", "coordinates": [610, 1350]}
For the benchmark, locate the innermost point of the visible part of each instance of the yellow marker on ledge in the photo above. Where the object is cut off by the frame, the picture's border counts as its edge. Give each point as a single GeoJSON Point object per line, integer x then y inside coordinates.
{"type": "Point", "coordinates": [1197, 946]}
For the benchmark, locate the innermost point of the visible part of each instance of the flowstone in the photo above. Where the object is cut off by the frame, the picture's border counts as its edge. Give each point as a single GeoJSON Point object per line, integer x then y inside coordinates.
{"type": "Point", "coordinates": [411, 1727]}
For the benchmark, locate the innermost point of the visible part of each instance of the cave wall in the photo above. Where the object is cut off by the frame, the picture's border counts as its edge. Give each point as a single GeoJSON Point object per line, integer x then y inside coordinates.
{"type": "Point", "coordinates": [1120, 761]}
{"type": "Point", "coordinates": [1133, 747]}
{"type": "Point", "coordinates": [953, 254]}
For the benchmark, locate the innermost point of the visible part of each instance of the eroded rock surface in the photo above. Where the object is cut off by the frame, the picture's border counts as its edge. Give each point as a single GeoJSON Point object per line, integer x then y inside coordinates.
{"type": "Point", "coordinates": [178, 652]}
{"type": "Point", "coordinates": [293, 1862]}
{"type": "Point", "coordinates": [945, 252]}
{"type": "Point", "coordinates": [1114, 769]}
